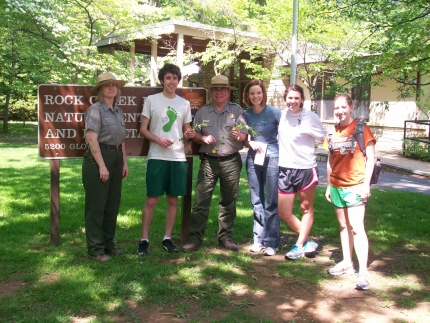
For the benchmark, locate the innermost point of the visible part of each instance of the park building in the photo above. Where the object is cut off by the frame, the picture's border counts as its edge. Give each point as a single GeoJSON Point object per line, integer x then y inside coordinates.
{"type": "Point", "coordinates": [378, 105]}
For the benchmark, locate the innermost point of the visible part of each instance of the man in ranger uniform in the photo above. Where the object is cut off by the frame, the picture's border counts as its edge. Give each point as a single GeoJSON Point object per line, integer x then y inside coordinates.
{"type": "Point", "coordinates": [220, 130]}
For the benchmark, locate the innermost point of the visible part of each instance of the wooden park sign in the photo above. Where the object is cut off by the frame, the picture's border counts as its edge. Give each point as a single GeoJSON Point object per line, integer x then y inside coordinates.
{"type": "Point", "coordinates": [61, 118]}
{"type": "Point", "coordinates": [61, 110]}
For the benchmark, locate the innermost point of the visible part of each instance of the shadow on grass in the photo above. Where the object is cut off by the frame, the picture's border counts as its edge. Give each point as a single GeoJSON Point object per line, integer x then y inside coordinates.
{"type": "Point", "coordinates": [59, 284]}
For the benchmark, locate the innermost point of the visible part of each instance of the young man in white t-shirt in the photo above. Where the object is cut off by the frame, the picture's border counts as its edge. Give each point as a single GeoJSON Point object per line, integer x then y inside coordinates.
{"type": "Point", "coordinates": [166, 119]}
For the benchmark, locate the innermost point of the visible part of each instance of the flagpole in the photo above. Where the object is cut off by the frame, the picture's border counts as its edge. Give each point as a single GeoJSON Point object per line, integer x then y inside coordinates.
{"type": "Point", "coordinates": [293, 74]}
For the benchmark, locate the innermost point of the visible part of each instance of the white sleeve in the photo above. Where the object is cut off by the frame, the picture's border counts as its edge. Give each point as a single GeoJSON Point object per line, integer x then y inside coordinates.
{"type": "Point", "coordinates": [317, 129]}
{"type": "Point", "coordinates": [146, 111]}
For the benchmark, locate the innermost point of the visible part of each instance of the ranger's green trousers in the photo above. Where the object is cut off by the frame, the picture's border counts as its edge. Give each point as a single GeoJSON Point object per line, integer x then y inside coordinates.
{"type": "Point", "coordinates": [228, 172]}
{"type": "Point", "coordinates": [102, 200]}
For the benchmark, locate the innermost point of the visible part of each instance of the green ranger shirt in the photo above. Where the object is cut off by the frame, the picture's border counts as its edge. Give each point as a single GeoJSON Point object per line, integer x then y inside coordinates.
{"type": "Point", "coordinates": [219, 125]}
{"type": "Point", "coordinates": [108, 124]}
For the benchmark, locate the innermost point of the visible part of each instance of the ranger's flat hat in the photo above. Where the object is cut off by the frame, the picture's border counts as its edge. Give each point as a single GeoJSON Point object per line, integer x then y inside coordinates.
{"type": "Point", "coordinates": [219, 81]}
{"type": "Point", "coordinates": [105, 78]}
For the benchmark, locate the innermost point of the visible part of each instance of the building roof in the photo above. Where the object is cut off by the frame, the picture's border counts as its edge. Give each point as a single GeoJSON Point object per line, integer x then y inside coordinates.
{"type": "Point", "coordinates": [196, 37]}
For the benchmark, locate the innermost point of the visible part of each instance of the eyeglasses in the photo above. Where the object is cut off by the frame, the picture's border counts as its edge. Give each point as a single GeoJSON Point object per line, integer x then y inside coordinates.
{"type": "Point", "coordinates": [219, 89]}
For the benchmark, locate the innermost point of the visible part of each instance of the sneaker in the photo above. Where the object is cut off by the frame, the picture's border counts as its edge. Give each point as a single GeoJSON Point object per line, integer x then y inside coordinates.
{"type": "Point", "coordinates": [362, 281]}
{"type": "Point", "coordinates": [142, 248]}
{"type": "Point", "coordinates": [256, 247]}
{"type": "Point", "coordinates": [295, 253]}
{"type": "Point", "coordinates": [341, 268]}
{"type": "Point", "coordinates": [169, 246]}
{"type": "Point", "coordinates": [310, 246]}
{"type": "Point", "coordinates": [270, 251]}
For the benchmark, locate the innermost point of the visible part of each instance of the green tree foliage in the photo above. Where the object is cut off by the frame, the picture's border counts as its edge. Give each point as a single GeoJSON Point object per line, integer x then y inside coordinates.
{"type": "Point", "coordinates": [324, 37]}
{"type": "Point", "coordinates": [399, 46]}
{"type": "Point", "coordinates": [54, 42]}
{"type": "Point", "coordinates": [24, 61]}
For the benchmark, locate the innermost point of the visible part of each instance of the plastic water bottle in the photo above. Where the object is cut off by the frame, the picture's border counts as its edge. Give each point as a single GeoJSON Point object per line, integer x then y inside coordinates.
{"type": "Point", "coordinates": [376, 171]}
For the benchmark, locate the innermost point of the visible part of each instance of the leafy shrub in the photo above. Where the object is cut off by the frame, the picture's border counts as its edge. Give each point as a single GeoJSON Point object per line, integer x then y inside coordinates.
{"type": "Point", "coordinates": [417, 150]}
{"type": "Point", "coordinates": [22, 110]}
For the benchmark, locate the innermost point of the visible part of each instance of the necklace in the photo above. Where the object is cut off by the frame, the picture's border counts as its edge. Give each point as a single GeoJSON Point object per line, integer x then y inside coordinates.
{"type": "Point", "coordinates": [299, 121]}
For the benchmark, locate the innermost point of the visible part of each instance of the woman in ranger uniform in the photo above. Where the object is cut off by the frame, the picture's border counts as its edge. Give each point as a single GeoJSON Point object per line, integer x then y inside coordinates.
{"type": "Point", "coordinates": [104, 167]}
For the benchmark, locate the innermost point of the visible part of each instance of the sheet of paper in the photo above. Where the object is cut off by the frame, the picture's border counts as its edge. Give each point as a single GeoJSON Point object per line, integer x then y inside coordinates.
{"type": "Point", "coordinates": [260, 156]}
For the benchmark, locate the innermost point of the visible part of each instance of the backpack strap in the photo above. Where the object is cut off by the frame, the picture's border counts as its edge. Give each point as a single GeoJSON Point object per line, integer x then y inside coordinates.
{"type": "Point", "coordinates": [359, 136]}
{"type": "Point", "coordinates": [330, 133]}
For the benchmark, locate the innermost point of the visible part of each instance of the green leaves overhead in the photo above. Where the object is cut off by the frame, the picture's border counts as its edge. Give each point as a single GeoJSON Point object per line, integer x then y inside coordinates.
{"type": "Point", "coordinates": [399, 41]}
{"type": "Point", "coordinates": [53, 41]}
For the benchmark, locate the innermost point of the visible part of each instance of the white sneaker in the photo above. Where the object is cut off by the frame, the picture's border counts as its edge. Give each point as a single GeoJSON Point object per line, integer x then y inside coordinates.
{"type": "Point", "coordinates": [295, 253]}
{"type": "Point", "coordinates": [310, 246]}
{"type": "Point", "coordinates": [270, 251]}
{"type": "Point", "coordinates": [342, 268]}
{"type": "Point", "coordinates": [256, 247]}
{"type": "Point", "coordinates": [363, 281]}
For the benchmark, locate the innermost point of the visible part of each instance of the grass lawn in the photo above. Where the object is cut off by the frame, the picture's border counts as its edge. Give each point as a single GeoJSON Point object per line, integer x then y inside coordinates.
{"type": "Point", "coordinates": [43, 283]}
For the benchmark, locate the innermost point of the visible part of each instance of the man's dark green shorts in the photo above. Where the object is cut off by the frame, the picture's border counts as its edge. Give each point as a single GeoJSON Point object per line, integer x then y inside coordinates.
{"type": "Point", "coordinates": [165, 176]}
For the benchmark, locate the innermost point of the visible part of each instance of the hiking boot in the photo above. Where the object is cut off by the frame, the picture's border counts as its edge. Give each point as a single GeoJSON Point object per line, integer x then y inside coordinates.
{"type": "Point", "coordinates": [191, 246]}
{"type": "Point", "coordinates": [142, 248]}
{"type": "Point", "coordinates": [270, 251]}
{"type": "Point", "coordinates": [363, 281]}
{"type": "Point", "coordinates": [256, 247]}
{"type": "Point", "coordinates": [295, 253]}
{"type": "Point", "coordinates": [100, 258]}
{"type": "Point", "coordinates": [114, 251]}
{"type": "Point", "coordinates": [310, 248]}
{"type": "Point", "coordinates": [341, 268]}
{"type": "Point", "coordinates": [169, 246]}
{"type": "Point", "coordinates": [228, 244]}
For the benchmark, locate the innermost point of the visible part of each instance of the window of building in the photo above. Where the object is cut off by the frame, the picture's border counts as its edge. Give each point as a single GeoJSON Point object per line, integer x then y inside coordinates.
{"type": "Point", "coordinates": [237, 74]}
{"type": "Point", "coordinates": [324, 97]}
{"type": "Point", "coordinates": [360, 96]}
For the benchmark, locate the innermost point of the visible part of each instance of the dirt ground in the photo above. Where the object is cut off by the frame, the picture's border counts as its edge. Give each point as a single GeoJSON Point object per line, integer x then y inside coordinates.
{"type": "Point", "coordinates": [292, 300]}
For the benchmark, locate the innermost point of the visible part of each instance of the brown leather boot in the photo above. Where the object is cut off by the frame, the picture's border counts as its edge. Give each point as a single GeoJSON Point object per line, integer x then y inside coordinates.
{"type": "Point", "coordinates": [191, 246]}
{"type": "Point", "coordinates": [228, 244]}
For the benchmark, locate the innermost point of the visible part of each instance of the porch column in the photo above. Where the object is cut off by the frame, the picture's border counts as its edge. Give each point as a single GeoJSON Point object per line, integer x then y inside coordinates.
{"type": "Point", "coordinates": [180, 54]}
{"type": "Point", "coordinates": [153, 74]}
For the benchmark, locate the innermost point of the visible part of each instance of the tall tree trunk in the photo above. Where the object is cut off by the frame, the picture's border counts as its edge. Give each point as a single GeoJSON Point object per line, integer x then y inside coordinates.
{"type": "Point", "coordinates": [312, 92]}
{"type": "Point", "coordinates": [6, 114]}
{"type": "Point", "coordinates": [8, 95]}
{"type": "Point", "coordinates": [314, 107]}
{"type": "Point", "coordinates": [156, 3]}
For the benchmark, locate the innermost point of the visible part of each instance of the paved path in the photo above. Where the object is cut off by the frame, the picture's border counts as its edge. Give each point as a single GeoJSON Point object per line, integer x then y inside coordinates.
{"type": "Point", "coordinates": [393, 161]}
{"type": "Point", "coordinates": [399, 173]}
{"type": "Point", "coordinates": [387, 180]}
